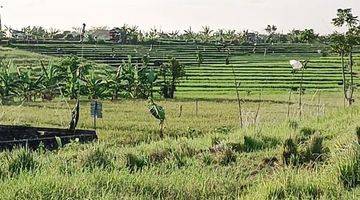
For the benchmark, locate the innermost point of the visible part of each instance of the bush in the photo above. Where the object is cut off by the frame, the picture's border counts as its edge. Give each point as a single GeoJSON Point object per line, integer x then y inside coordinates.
{"type": "Point", "coordinates": [23, 162]}
{"type": "Point", "coordinates": [98, 159]}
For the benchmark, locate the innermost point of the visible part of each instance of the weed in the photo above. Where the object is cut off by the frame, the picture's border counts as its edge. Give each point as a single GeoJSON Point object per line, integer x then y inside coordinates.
{"type": "Point", "coordinates": [98, 159]}
{"type": "Point", "coordinates": [135, 163]}
{"type": "Point", "coordinates": [290, 152]}
{"type": "Point", "coordinates": [228, 157]}
{"type": "Point", "coordinates": [24, 161]}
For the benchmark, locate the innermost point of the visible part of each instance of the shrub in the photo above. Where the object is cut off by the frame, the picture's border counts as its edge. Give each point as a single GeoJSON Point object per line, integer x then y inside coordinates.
{"type": "Point", "coordinates": [23, 162]}
{"type": "Point", "coordinates": [98, 159]}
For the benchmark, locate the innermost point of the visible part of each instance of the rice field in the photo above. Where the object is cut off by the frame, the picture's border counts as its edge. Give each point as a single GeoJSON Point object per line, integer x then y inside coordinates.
{"type": "Point", "coordinates": [254, 70]}
{"type": "Point", "coordinates": [204, 153]}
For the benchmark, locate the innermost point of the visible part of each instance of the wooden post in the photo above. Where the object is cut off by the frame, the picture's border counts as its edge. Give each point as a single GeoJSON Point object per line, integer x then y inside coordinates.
{"type": "Point", "coordinates": [94, 122]}
{"type": "Point", "coordinates": [95, 108]}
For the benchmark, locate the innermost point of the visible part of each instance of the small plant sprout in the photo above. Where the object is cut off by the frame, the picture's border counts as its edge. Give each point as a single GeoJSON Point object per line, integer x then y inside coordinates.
{"type": "Point", "coordinates": [299, 66]}
{"type": "Point", "coordinates": [159, 113]}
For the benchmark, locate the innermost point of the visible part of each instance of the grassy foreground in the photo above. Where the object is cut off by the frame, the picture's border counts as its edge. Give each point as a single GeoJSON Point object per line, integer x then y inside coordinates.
{"type": "Point", "coordinates": [203, 156]}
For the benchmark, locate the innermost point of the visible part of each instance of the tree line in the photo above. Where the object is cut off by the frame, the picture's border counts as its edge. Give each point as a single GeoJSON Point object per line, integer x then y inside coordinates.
{"type": "Point", "coordinates": [127, 34]}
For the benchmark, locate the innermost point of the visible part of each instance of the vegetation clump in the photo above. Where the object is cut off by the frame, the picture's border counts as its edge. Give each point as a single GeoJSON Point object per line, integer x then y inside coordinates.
{"type": "Point", "coordinates": [98, 158]}
{"type": "Point", "coordinates": [136, 163]}
{"type": "Point", "coordinates": [349, 170]}
{"type": "Point", "coordinates": [23, 161]}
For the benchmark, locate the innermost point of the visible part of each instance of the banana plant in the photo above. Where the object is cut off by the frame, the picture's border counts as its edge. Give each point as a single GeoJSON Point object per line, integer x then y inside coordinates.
{"type": "Point", "coordinates": [94, 86]}
{"type": "Point", "coordinates": [8, 81]}
{"type": "Point", "coordinates": [158, 112]}
{"type": "Point", "coordinates": [129, 76]}
{"type": "Point", "coordinates": [51, 76]}
{"type": "Point", "coordinates": [75, 70]}
{"type": "Point", "coordinates": [146, 80]}
{"type": "Point", "coordinates": [171, 72]}
{"type": "Point", "coordinates": [114, 82]}
{"type": "Point", "coordinates": [27, 83]}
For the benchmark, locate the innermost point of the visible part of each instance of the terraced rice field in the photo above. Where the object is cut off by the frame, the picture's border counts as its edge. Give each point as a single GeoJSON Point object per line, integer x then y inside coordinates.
{"type": "Point", "coordinates": [253, 69]}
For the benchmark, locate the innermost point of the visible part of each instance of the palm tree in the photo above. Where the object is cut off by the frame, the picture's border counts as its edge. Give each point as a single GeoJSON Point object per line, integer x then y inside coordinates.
{"type": "Point", "coordinates": [271, 30]}
{"type": "Point", "coordinates": [189, 34]}
{"type": "Point", "coordinates": [206, 33]}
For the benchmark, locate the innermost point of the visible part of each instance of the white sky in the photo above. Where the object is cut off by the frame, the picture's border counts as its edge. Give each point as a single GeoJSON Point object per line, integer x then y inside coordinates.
{"type": "Point", "coordinates": [177, 14]}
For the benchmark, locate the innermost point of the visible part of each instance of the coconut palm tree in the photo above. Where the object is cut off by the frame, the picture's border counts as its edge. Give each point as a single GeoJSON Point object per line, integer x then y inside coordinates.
{"type": "Point", "coordinates": [206, 33]}
{"type": "Point", "coordinates": [189, 34]}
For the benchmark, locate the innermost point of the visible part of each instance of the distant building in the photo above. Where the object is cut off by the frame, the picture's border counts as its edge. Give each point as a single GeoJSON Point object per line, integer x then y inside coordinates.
{"type": "Point", "coordinates": [252, 38]}
{"type": "Point", "coordinates": [15, 34]}
{"type": "Point", "coordinates": [101, 34]}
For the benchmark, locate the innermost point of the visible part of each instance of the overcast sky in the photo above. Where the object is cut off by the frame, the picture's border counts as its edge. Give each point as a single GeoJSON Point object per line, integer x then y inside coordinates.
{"type": "Point", "coordinates": [177, 14]}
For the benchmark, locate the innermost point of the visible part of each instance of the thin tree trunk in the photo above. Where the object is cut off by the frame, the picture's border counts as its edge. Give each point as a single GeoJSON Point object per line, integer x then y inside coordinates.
{"type": "Point", "coordinates": [288, 107]}
{"type": "Point", "coordinates": [343, 76]}
{"type": "Point", "coordinates": [300, 94]}
{"type": "Point", "coordinates": [258, 109]}
{"type": "Point", "coordinates": [350, 98]}
{"type": "Point", "coordinates": [238, 98]}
